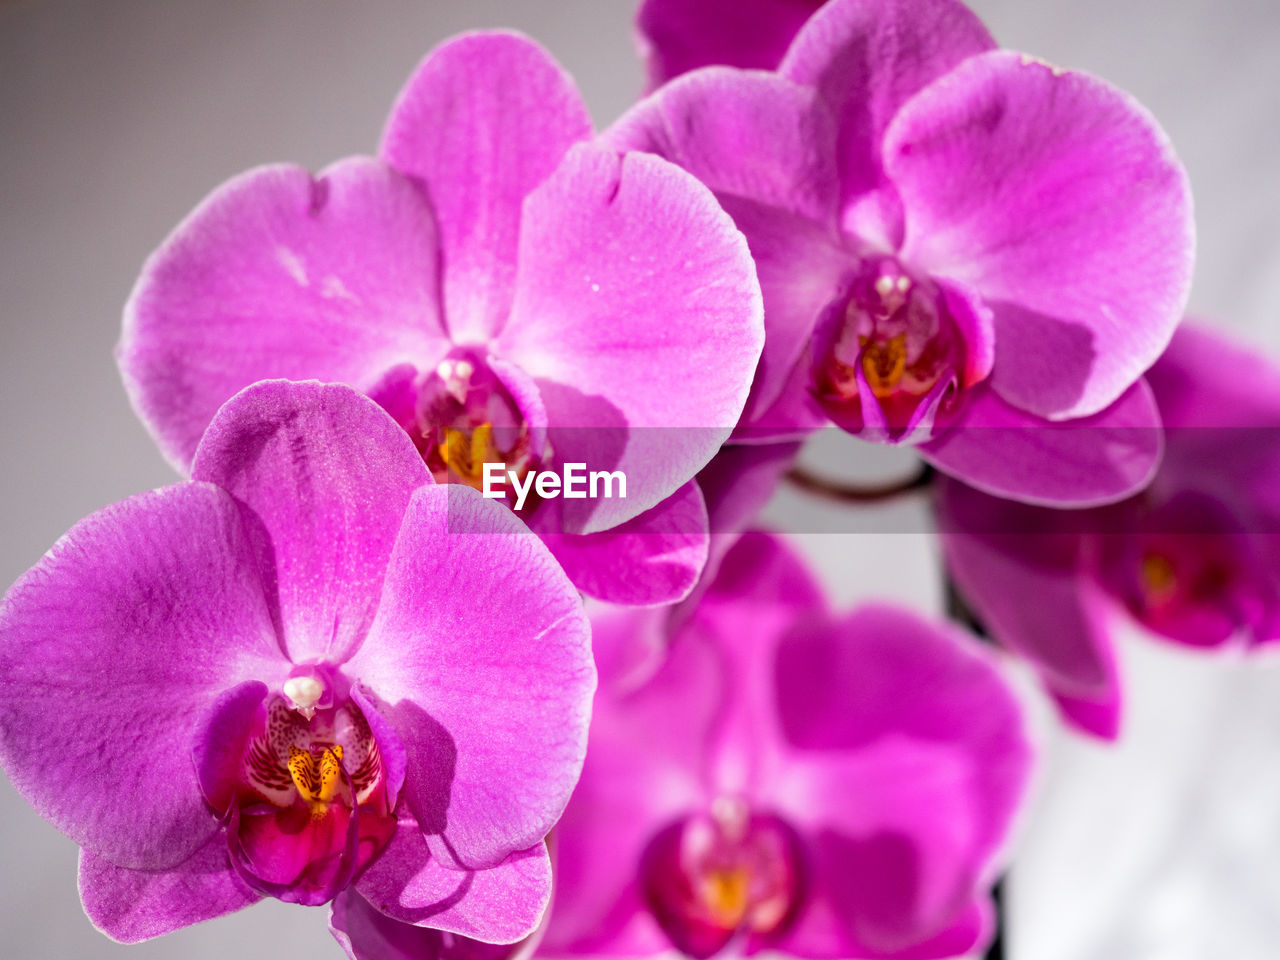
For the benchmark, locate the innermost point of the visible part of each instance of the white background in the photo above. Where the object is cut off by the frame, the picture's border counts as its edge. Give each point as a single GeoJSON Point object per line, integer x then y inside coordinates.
{"type": "Point", "coordinates": [117, 117]}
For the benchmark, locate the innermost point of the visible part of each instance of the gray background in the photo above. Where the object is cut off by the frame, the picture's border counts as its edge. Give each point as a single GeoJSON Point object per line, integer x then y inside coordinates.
{"type": "Point", "coordinates": [117, 116]}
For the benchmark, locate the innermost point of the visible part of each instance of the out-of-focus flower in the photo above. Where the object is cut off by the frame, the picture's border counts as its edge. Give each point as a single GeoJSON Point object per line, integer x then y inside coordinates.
{"type": "Point", "coordinates": [824, 785]}
{"type": "Point", "coordinates": [677, 36]}
{"type": "Point", "coordinates": [509, 293]}
{"type": "Point", "coordinates": [289, 678]}
{"type": "Point", "coordinates": [960, 247]}
{"type": "Point", "coordinates": [1195, 557]}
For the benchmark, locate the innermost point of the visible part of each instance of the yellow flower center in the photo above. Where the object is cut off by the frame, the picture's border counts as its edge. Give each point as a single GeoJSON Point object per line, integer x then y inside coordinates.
{"type": "Point", "coordinates": [726, 894]}
{"type": "Point", "coordinates": [1159, 579]}
{"type": "Point", "coordinates": [318, 784]}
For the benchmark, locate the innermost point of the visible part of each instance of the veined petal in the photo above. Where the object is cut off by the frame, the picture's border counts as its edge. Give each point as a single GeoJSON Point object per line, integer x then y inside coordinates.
{"type": "Point", "coordinates": [502, 904]}
{"type": "Point", "coordinates": [279, 274]}
{"type": "Point", "coordinates": [802, 268]}
{"type": "Point", "coordinates": [655, 558]}
{"type": "Point", "coordinates": [109, 648]}
{"type": "Point", "coordinates": [323, 477]}
{"type": "Point", "coordinates": [766, 148]}
{"type": "Point", "coordinates": [480, 659]}
{"type": "Point", "coordinates": [866, 58]}
{"type": "Point", "coordinates": [1060, 200]}
{"type": "Point", "coordinates": [638, 312]}
{"type": "Point", "coordinates": [366, 934]}
{"type": "Point", "coordinates": [1080, 463]}
{"type": "Point", "coordinates": [677, 36]}
{"type": "Point", "coordinates": [748, 134]}
{"type": "Point", "coordinates": [483, 120]}
{"type": "Point", "coordinates": [130, 906]}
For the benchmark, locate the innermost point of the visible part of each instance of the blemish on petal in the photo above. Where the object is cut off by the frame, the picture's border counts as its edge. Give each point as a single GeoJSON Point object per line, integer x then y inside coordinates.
{"type": "Point", "coordinates": [293, 265]}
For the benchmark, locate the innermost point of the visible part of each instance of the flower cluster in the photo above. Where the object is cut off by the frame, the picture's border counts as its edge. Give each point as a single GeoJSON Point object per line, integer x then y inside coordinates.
{"type": "Point", "coordinates": [333, 667]}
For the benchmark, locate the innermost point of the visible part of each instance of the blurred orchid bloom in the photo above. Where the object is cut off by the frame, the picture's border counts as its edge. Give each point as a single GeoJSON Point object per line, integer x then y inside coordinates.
{"type": "Point", "coordinates": [508, 292]}
{"type": "Point", "coordinates": [790, 779]}
{"type": "Point", "coordinates": [276, 679]}
{"type": "Point", "coordinates": [1195, 557]}
{"type": "Point", "coordinates": [677, 36]}
{"type": "Point", "coordinates": [960, 247]}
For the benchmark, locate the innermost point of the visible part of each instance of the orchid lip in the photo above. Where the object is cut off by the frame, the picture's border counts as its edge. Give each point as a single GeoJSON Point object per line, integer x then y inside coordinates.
{"type": "Point", "coordinates": [888, 355]}
{"type": "Point", "coordinates": [721, 875]}
{"type": "Point", "coordinates": [307, 802]}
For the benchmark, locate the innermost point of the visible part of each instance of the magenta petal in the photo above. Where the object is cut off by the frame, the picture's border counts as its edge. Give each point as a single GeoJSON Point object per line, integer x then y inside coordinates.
{"type": "Point", "coordinates": [503, 904]}
{"type": "Point", "coordinates": [821, 931]}
{"type": "Point", "coordinates": [1100, 717]}
{"type": "Point", "coordinates": [1206, 381]}
{"type": "Point", "coordinates": [1022, 571]}
{"type": "Point", "coordinates": [766, 148]}
{"type": "Point", "coordinates": [323, 475]}
{"type": "Point", "coordinates": [737, 484]}
{"type": "Point", "coordinates": [279, 274]}
{"type": "Point", "coordinates": [744, 134]}
{"type": "Point", "coordinates": [490, 692]}
{"type": "Point", "coordinates": [741, 479]}
{"type": "Point", "coordinates": [655, 558]}
{"type": "Point", "coordinates": [638, 312]}
{"type": "Point", "coordinates": [1060, 199]}
{"type": "Point", "coordinates": [109, 648]}
{"type": "Point", "coordinates": [483, 120]}
{"type": "Point", "coordinates": [1080, 463]}
{"type": "Point", "coordinates": [294, 855]}
{"type": "Point", "coordinates": [761, 589]}
{"type": "Point", "coordinates": [802, 267]}
{"type": "Point", "coordinates": [794, 415]}
{"type": "Point", "coordinates": [130, 906]}
{"type": "Point", "coordinates": [395, 757]}
{"type": "Point", "coordinates": [649, 748]}
{"type": "Point", "coordinates": [866, 58]}
{"type": "Point", "coordinates": [909, 759]}
{"type": "Point", "coordinates": [366, 934]}
{"type": "Point", "coordinates": [678, 35]}
{"type": "Point", "coordinates": [221, 737]}
{"type": "Point", "coordinates": [1220, 402]}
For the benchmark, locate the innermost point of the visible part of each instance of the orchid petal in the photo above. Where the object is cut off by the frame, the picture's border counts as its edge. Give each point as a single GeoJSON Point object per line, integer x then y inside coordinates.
{"type": "Point", "coordinates": [1080, 463]}
{"type": "Point", "coordinates": [1002, 553]}
{"type": "Point", "coordinates": [487, 774]}
{"type": "Point", "coordinates": [655, 558]}
{"type": "Point", "coordinates": [366, 934]}
{"type": "Point", "coordinates": [644, 768]}
{"type": "Point", "coordinates": [483, 120]}
{"type": "Point", "coordinates": [109, 648]}
{"type": "Point", "coordinates": [279, 274]}
{"type": "Point", "coordinates": [638, 312]}
{"type": "Point", "coordinates": [1060, 199]}
{"type": "Point", "coordinates": [866, 58]}
{"type": "Point", "coordinates": [503, 904]}
{"type": "Point", "coordinates": [677, 36]}
{"type": "Point", "coordinates": [908, 761]}
{"type": "Point", "coordinates": [130, 906]}
{"type": "Point", "coordinates": [323, 476]}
